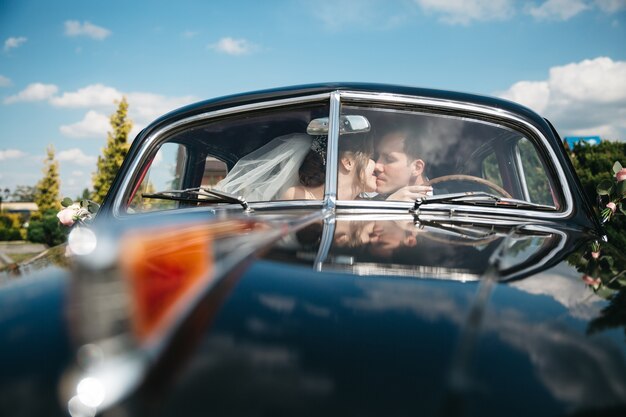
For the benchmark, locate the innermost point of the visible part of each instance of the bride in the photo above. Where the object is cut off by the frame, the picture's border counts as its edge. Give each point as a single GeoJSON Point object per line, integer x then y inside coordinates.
{"type": "Point", "coordinates": [355, 170]}
{"type": "Point", "coordinates": [293, 167]}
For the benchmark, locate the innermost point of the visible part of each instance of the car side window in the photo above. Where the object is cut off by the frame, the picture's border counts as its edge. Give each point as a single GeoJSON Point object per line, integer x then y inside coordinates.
{"type": "Point", "coordinates": [537, 182]}
{"type": "Point", "coordinates": [491, 169]}
{"type": "Point", "coordinates": [165, 172]}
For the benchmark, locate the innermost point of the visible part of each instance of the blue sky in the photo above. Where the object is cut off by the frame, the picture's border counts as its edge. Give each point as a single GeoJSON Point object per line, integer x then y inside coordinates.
{"type": "Point", "coordinates": [64, 63]}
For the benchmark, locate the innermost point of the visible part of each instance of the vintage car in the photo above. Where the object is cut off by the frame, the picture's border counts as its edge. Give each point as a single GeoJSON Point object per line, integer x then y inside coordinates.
{"type": "Point", "coordinates": [335, 249]}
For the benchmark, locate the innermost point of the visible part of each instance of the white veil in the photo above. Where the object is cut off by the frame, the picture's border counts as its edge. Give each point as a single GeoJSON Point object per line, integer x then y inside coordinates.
{"type": "Point", "coordinates": [266, 173]}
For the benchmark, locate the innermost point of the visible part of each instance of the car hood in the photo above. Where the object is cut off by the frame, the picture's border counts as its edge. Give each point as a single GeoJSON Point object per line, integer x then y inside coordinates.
{"type": "Point", "coordinates": [452, 319]}
{"type": "Point", "coordinates": [311, 312]}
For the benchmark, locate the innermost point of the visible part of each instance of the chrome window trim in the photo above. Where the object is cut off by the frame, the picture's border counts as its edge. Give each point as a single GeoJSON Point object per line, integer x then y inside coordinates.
{"type": "Point", "coordinates": [330, 194]}
{"type": "Point", "coordinates": [154, 138]}
{"type": "Point", "coordinates": [356, 97]}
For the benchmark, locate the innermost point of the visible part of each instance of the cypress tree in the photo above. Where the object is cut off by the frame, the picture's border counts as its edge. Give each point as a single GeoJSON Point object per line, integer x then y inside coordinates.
{"type": "Point", "coordinates": [44, 226]}
{"type": "Point", "coordinates": [114, 152]}
{"type": "Point", "coordinates": [47, 190]}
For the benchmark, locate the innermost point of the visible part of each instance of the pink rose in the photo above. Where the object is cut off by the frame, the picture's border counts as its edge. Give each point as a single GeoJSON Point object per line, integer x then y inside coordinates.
{"type": "Point", "coordinates": [611, 206]}
{"type": "Point", "coordinates": [621, 175]}
{"type": "Point", "coordinates": [67, 216]}
{"type": "Point", "coordinates": [591, 281]}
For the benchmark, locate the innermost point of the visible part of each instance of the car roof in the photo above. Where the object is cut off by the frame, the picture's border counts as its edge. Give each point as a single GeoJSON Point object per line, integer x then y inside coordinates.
{"type": "Point", "coordinates": [321, 88]}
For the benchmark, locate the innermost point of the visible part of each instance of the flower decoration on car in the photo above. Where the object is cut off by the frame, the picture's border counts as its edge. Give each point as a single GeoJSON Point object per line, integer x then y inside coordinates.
{"type": "Point", "coordinates": [612, 193]}
{"type": "Point", "coordinates": [77, 212]}
{"type": "Point", "coordinates": [605, 270]}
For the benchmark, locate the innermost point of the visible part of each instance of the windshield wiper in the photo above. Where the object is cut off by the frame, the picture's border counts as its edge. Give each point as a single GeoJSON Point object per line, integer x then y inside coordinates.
{"type": "Point", "coordinates": [198, 195]}
{"type": "Point", "coordinates": [478, 198]}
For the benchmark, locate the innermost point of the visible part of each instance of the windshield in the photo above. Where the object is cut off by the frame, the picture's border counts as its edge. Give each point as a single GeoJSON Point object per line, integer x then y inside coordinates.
{"type": "Point", "coordinates": [383, 153]}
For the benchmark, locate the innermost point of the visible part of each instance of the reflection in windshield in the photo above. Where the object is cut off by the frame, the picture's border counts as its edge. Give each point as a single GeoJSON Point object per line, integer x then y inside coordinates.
{"type": "Point", "coordinates": [398, 246]}
{"type": "Point", "coordinates": [439, 250]}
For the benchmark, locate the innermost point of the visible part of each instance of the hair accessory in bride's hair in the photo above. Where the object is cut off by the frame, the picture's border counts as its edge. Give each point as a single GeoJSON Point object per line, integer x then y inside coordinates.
{"type": "Point", "coordinates": [319, 147]}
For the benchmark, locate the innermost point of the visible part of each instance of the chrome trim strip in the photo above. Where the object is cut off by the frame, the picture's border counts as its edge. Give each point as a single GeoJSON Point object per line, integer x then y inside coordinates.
{"type": "Point", "coordinates": [522, 174]}
{"type": "Point", "coordinates": [330, 186]}
{"type": "Point", "coordinates": [118, 202]}
{"type": "Point", "coordinates": [486, 110]}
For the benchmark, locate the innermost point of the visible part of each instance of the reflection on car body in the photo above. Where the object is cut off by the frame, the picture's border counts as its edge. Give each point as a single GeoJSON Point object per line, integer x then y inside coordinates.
{"type": "Point", "coordinates": [449, 288]}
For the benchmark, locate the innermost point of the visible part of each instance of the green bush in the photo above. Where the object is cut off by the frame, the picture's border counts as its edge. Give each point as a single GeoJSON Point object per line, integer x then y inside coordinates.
{"type": "Point", "coordinates": [593, 165]}
{"type": "Point", "coordinates": [47, 229]}
{"type": "Point", "coordinates": [11, 227]}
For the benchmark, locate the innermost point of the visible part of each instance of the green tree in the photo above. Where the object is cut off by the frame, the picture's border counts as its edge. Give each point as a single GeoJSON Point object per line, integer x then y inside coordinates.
{"type": "Point", "coordinates": [593, 165]}
{"type": "Point", "coordinates": [44, 227]}
{"type": "Point", "coordinates": [114, 152]}
{"type": "Point", "coordinates": [24, 193]}
{"type": "Point", "coordinates": [11, 227]}
{"type": "Point", "coordinates": [47, 189]}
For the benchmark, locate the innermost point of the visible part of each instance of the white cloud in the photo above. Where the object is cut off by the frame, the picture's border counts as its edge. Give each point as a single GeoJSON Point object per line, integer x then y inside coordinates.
{"type": "Point", "coordinates": [587, 97]}
{"type": "Point", "coordinates": [600, 80]}
{"type": "Point", "coordinates": [611, 6]}
{"type": "Point", "coordinates": [4, 81]}
{"type": "Point", "coordinates": [95, 95]}
{"type": "Point", "coordinates": [144, 107]}
{"type": "Point", "coordinates": [534, 94]}
{"type": "Point", "coordinates": [33, 92]}
{"type": "Point", "coordinates": [76, 156]}
{"type": "Point", "coordinates": [465, 11]}
{"type": "Point", "coordinates": [232, 46]}
{"type": "Point", "coordinates": [14, 42]}
{"type": "Point", "coordinates": [100, 99]}
{"type": "Point", "coordinates": [75, 28]}
{"type": "Point", "coordinates": [558, 9]}
{"type": "Point", "coordinates": [11, 154]}
{"type": "Point", "coordinates": [93, 125]}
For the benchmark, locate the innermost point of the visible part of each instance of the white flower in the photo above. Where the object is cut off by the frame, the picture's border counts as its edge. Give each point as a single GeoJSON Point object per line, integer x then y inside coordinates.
{"type": "Point", "coordinates": [67, 215]}
{"type": "Point", "coordinates": [73, 213]}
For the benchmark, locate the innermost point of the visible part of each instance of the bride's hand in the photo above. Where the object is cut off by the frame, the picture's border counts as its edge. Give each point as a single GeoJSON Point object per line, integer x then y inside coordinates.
{"type": "Point", "coordinates": [411, 193]}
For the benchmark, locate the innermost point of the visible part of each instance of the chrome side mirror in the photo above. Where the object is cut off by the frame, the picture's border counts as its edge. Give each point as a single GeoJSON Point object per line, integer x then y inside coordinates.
{"type": "Point", "coordinates": [347, 124]}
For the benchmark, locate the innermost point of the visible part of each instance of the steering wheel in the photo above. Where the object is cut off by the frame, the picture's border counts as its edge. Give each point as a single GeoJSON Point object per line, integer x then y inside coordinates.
{"type": "Point", "coordinates": [471, 178]}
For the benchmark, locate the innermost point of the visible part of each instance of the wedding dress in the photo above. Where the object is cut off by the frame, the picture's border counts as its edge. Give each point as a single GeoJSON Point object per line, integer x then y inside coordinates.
{"type": "Point", "coordinates": [266, 173]}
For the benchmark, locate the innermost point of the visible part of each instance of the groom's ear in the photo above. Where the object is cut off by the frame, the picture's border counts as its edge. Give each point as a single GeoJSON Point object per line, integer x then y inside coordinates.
{"type": "Point", "coordinates": [417, 167]}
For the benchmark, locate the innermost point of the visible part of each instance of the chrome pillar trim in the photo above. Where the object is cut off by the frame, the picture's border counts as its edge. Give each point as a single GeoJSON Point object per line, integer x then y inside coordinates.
{"type": "Point", "coordinates": [330, 186]}
{"type": "Point", "coordinates": [155, 138]}
{"type": "Point", "coordinates": [568, 206]}
{"type": "Point", "coordinates": [522, 174]}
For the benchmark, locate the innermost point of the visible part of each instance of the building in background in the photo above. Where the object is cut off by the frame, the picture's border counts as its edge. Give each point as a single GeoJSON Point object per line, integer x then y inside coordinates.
{"type": "Point", "coordinates": [23, 208]}
{"type": "Point", "coordinates": [570, 141]}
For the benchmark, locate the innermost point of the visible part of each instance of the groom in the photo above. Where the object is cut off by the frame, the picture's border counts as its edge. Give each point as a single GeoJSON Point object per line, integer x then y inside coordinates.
{"type": "Point", "coordinates": [399, 169]}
